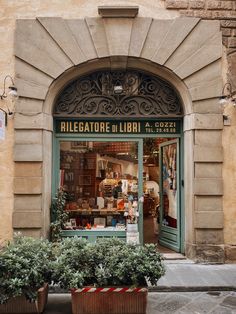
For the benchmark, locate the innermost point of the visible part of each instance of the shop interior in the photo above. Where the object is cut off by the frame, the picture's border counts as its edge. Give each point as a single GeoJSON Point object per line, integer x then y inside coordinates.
{"type": "Point", "coordinates": [101, 183]}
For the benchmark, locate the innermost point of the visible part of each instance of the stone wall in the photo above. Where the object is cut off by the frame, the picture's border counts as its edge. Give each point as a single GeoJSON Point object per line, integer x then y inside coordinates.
{"type": "Point", "coordinates": [171, 54]}
{"type": "Point", "coordinates": [159, 9]}
{"type": "Point", "coordinates": [225, 11]}
{"type": "Point", "coordinates": [9, 12]}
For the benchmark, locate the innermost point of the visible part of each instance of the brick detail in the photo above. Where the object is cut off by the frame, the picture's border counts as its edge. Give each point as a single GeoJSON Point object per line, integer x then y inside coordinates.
{"type": "Point", "coordinates": [232, 42]}
{"type": "Point", "coordinates": [194, 4]}
{"type": "Point", "coordinates": [179, 4]}
{"type": "Point", "coordinates": [198, 13]}
{"type": "Point", "coordinates": [225, 41]}
{"type": "Point", "coordinates": [228, 23]}
{"type": "Point", "coordinates": [223, 14]}
{"type": "Point", "coordinates": [222, 10]}
{"type": "Point", "coordinates": [230, 253]}
{"type": "Point", "coordinates": [229, 52]}
{"type": "Point", "coordinates": [188, 13]}
{"type": "Point", "coordinates": [220, 5]}
{"type": "Point", "coordinates": [226, 32]}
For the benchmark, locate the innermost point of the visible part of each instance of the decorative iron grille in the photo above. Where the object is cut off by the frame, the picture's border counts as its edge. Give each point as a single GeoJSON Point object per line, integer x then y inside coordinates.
{"type": "Point", "coordinates": [118, 94]}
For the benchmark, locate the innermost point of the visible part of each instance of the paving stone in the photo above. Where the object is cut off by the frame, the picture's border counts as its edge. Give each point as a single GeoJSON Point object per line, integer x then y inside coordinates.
{"type": "Point", "coordinates": [58, 304]}
{"type": "Point", "coordinates": [213, 297]}
{"type": "Point", "coordinates": [222, 310]}
{"type": "Point", "coordinates": [193, 295]}
{"type": "Point", "coordinates": [230, 301]}
{"type": "Point", "coordinates": [202, 304]}
{"type": "Point", "coordinates": [189, 275]}
{"type": "Point", "coordinates": [181, 275]}
{"type": "Point", "coordinates": [172, 303]}
{"type": "Point", "coordinates": [218, 295]}
{"type": "Point", "coordinates": [212, 302]}
{"type": "Point", "coordinates": [157, 297]}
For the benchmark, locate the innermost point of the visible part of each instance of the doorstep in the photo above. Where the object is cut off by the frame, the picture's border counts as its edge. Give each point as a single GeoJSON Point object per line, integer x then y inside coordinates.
{"type": "Point", "coordinates": [174, 256]}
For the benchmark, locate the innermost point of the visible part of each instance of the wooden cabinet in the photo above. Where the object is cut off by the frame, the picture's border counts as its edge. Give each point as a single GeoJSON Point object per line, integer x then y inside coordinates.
{"type": "Point", "coordinates": [78, 174]}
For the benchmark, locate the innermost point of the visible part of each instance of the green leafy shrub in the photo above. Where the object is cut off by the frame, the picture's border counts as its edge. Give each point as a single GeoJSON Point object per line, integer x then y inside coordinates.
{"type": "Point", "coordinates": [59, 215]}
{"type": "Point", "coordinates": [108, 262]}
{"type": "Point", "coordinates": [25, 265]}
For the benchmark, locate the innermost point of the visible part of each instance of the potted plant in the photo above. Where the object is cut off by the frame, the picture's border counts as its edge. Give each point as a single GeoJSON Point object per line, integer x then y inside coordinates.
{"type": "Point", "coordinates": [109, 276]}
{"type": "Point", "coordinates": [24, 272]}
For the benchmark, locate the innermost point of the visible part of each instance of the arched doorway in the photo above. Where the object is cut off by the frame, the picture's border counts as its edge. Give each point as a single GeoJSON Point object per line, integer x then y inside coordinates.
{"type": "Point", "coordinates": [120, 127]}
{"type": "Point", "coordinates": [182, 62]}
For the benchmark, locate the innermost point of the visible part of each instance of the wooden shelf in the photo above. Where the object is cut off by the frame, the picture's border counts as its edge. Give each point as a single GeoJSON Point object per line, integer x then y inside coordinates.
{"type": "Point", "coordinates": [99, 211]}
{"type": "Point", "coordinates": [79, 173]}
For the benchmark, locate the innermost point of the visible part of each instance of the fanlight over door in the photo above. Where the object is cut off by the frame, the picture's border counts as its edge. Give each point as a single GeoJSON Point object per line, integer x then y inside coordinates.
{"type": "Point", "coordinates": [118, 94]}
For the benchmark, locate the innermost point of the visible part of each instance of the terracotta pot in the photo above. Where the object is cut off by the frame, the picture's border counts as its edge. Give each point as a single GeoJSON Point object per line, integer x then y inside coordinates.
{"type": "Point", "coordinates": [96, 301]}
{"type": "Point", "coordinates": [21, 305]}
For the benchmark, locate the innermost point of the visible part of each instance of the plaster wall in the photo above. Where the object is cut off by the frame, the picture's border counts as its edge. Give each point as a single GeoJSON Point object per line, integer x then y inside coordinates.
{"type": "Point", "coordinates": [9, 12]}
{"type": "Point", "coordinates": [229, 177]}
{"type": "Point", "coordinates": [229, 169]}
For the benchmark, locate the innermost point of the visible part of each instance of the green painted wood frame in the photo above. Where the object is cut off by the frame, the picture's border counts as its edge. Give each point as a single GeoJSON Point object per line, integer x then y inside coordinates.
{"type": "Point", "coordinates": [169, 236]}
{"type": "Point", "coordinates": [118, 138]}
{"type": "Point", "coordinates": [56, 167]}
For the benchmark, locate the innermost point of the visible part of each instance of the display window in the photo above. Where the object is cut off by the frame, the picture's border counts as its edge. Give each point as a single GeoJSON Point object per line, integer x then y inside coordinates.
{"type": "Point", "coordinates": [113, 186]}
{"type": "Point", "coordinates": [101, 184]}
{"type": "Point", "coordinates": [117, 137]}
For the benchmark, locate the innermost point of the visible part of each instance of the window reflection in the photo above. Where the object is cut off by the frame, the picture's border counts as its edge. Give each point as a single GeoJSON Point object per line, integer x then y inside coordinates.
{"type": "Point", "coordinates": [169, 185]}
{"type": "Point", "coordinates": [101, 181]}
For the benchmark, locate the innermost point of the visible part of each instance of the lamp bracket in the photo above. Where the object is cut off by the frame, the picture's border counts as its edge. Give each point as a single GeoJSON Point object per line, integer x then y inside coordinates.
{"type": "Point", "coordinates": [11, 87]}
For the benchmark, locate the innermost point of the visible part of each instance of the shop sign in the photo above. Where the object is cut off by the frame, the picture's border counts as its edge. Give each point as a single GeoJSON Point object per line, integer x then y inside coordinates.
{"type": "Point", "coordinates": [2, 125]}
{"type": "Point", "coordinates": [78, 126]}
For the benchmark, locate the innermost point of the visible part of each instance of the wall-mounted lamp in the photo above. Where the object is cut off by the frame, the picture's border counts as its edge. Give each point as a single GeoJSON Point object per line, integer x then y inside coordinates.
{"type": "Point", "coordinates": [226, 120]}
{"type": "Point", "coordinates": [11, 93]}
{"type": "Point", "coordinates": [228, 95]}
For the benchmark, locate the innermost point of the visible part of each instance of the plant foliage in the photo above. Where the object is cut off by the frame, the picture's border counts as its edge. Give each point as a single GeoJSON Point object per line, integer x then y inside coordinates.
{"type": "Point", "coordinates": [24, 267]}
{"type": "Point", "coordinates": [108, 262]}
{"type": "Point", "coordinates": [59, 215]}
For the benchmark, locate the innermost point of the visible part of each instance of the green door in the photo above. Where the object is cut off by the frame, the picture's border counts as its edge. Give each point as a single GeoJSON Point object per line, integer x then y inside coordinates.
{"type": "Point", "coordinates": [170, 212]}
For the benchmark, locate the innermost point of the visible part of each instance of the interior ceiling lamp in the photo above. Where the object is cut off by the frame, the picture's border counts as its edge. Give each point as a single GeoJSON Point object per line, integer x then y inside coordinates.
{"type": "Point", "coordinates": [118, 89]}
{"type": "Point", "coordinates": [11, 93]}
{"type": "Point", "coordinates": [150, 161]}
{"type": "Point", "coordinates": [228, 96]}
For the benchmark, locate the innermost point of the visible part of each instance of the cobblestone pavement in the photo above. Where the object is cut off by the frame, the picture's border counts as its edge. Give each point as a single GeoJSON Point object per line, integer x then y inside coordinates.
{"type": "Point", "coordinates": [192, 302]}
{"type": "Point", "coordinates": [188, 276]}
{"type": "Point", "coordinates": [214, 302]}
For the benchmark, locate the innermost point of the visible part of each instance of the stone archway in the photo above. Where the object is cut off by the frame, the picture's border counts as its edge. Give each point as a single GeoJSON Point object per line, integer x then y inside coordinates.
{"type": "Point", "coordinates": [185, 51]}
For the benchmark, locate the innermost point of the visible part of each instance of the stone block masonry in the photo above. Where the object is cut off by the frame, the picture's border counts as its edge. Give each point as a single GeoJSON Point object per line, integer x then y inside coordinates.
{"type": "Point", "coordinates": [172, 4]}
{"type": "Point", "coordinates": [223, 10]}
{"type": "Point", "coordinates": [228, 5]}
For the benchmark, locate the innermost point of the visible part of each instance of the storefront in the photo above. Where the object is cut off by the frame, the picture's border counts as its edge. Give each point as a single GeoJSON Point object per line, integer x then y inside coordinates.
{"type": "Point", "coordinates": [117, 156]}
{"type": "Point", "coordinates": [121, 98]}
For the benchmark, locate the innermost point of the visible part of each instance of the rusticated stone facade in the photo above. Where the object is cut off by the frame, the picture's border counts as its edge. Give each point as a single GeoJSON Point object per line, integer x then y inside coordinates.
{"type": "Point", "coordinates": [225, 12]}
{"type": "Point", "coordinates": [43, 50]}
{"type": "Point", "coordinates": [119, 43]}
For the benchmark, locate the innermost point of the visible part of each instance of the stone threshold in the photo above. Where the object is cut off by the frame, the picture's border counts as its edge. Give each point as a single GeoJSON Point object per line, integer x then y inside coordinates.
{"type": "Point", "coordinates": [174, 256]}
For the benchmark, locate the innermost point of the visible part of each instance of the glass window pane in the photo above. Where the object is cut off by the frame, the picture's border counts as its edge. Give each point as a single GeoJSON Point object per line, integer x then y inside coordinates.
{"type": "Point", "coordinates": [169, 185]}
{"type": "Point", "coordinates": [101, 181]}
